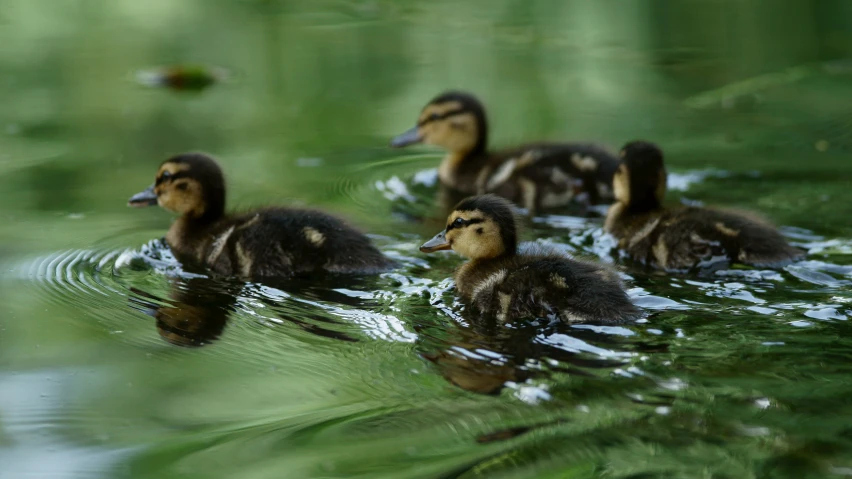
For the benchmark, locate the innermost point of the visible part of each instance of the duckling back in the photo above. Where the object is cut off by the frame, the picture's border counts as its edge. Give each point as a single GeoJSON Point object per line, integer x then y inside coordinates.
{"type": "Point", "coordinates": [546, 175]}
{"type": "Point", "coordinates": [279, 242]}
{"type": "Point", "coordinates": [545, 284]}
{"type": "Point", "coordinates": [696, 237]}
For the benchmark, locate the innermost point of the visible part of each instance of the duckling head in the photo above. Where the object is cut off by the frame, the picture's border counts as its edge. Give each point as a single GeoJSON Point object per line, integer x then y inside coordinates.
{"type": "Point", "coordinates": [190, 184]}
{"type": "Point", "coordinates": [480, 227]}
{"type": "Point", "coordinates": [453, 120]}
{"type": "Point", "coordinates": [640, 181]}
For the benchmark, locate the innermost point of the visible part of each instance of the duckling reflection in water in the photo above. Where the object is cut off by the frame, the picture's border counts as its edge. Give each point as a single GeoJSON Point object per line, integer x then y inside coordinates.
{"type": "Point", "coordinates": [513, 283]}
{"type": "Point", "coordinates": [198, 309]}
{"type": "Point", "coordinates": [481, 356]}
{"type": "Point", "coordinates": [195, 313]}
{"type": "Point", "coordinates": [683, 238]}
{"type": "Point", "coordinates": [264, 243]}
{"type": "Point", "coordinates": [537, 175]}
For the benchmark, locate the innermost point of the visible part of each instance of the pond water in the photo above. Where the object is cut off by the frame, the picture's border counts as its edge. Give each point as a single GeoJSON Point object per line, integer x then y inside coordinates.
{"type": "Point", "coordinates": [736, 374]}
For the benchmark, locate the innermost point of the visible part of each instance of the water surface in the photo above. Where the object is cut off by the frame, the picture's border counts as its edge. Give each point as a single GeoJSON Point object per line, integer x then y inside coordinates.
{"type": "Point", "coordinates": [115, 362]}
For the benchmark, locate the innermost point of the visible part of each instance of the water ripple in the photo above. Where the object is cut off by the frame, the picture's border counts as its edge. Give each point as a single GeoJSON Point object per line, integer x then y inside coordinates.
{"type": "Point", "coordinates": [192, 309]}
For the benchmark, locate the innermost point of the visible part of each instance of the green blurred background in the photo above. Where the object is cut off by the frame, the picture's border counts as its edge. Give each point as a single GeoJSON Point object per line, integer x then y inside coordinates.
{"type": "Point", "coordinates": [757, 91]}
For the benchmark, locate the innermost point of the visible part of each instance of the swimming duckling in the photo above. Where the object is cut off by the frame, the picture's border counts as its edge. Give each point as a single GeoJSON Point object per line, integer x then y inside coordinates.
{"type": "Point", "coordinates": [500, 279]}
{"type": "Point", "coordinates": [269, 242]}
{"type": "Point", "coordinates": [537, 175]}
{"type": "Point", "coordinates": [683, 237]}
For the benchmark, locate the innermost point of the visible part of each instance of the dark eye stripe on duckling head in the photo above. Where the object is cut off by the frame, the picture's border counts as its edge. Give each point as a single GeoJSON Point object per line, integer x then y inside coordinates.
{"type": "Point", "coordinates": [435, 116]}
{"type": "Point", "coordinates": [171, 177]}
{"type": "Point", "coordinates": [171, 171]}
{"type": "Point", "coordinates": [461, 223]}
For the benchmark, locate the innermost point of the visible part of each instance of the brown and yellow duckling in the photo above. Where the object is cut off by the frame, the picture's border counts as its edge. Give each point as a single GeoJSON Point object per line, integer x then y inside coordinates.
{"type": "Point", "coordinates": [513, 283]}
{"type": "Point", "coordinates": [536, 175]}
{"type": "Point", "coordinates": [683, 238]}
{"type": "Point", "coordinates": [268, 242]}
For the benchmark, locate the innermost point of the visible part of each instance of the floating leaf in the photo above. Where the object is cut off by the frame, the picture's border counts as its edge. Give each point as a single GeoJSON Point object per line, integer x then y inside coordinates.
{"type": "Point", "coordinates": [182, 77]}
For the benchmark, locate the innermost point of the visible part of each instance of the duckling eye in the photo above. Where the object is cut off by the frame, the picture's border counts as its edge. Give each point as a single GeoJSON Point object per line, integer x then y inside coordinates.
{"type": "Point", "coordinates": [458, 223]}
{"type": "Point", "coordinates": [434, 116]}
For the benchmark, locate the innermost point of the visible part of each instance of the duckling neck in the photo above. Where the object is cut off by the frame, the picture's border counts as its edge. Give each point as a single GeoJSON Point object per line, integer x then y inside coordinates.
{"type": "Point", "coordinates": [187, 233]}
{"type": "Point", "coordinates": [643, 207]}
{"type": "Point", "coordinates": [460, 169]}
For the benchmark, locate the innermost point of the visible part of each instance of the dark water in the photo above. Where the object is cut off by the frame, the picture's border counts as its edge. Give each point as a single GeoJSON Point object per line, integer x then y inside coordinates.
{"type": "Point", "coordinates": [742, 373]}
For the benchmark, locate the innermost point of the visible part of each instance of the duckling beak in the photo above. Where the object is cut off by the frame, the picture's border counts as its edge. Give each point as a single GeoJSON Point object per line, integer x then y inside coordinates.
{"type": "Point", "coordinates": [144, 198]}
{"type": "Point", "coordinates": [410, 137]}
{"type": "Point", "coordinates": [438, 243]}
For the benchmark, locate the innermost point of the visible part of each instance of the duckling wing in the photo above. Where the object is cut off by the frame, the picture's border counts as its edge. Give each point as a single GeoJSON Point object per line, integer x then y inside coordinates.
{"type": "Point", "coordinates": [280, 242]}
{"type": "Point", "coordinates": [250, 246]}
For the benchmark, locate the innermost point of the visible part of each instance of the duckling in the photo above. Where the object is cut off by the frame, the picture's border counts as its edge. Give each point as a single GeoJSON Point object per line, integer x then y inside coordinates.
{"type": "Point", "coordinates": [268, 242]}
{"type": "Point", "coordinates": [536, 175]}
{"type": "Point", "coordinates": [683, 238]}
{"type": "Point", "coordinates": [511, 282]}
